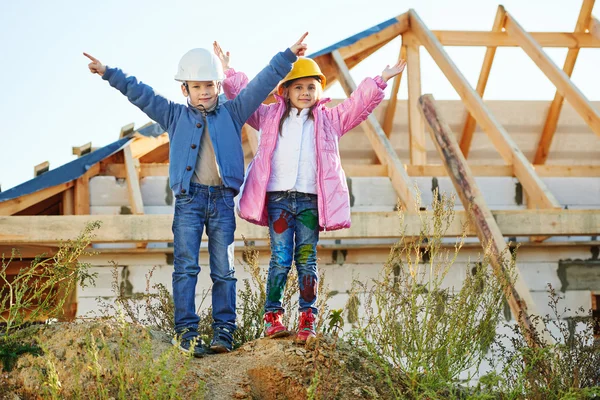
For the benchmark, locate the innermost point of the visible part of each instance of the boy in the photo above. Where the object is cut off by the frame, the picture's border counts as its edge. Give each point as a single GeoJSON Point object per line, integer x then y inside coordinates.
{"type": "Point", "coordinates": [206, 171]}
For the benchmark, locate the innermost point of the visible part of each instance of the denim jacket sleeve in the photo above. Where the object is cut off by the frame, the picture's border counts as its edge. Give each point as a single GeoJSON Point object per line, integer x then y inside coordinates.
{"type": "Point", "coordinates": [233, 84]}
{"type": "Point", "coordinates": [251, 97]}
{"type": "Point", "coordinates": [143, 96]}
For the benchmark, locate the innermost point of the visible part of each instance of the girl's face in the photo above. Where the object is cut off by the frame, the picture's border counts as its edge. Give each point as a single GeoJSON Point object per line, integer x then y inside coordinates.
{"type": "Point", "coordinates": [304, 92]}
{"type": "Point", "coordinates": [201, 93]}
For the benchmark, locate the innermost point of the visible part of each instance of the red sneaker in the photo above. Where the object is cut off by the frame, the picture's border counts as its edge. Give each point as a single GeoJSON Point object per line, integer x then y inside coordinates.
{"type": "Point", "coordinates": [306, 327]}
{"type": "Point", "coordinates": [273, 326]}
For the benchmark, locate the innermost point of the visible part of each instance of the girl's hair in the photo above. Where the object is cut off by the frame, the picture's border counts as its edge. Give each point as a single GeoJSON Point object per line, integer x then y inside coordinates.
{"type": "Point", "coordinates": [288, 105]}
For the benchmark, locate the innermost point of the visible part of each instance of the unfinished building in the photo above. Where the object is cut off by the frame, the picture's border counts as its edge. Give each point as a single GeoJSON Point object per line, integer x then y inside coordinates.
{"type": "Point", "coordinates": [534, 164]}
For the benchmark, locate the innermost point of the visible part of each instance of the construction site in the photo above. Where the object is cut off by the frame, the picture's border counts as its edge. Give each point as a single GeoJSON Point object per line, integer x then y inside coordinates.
{"type": "Point", "coordinates": [522, 172]}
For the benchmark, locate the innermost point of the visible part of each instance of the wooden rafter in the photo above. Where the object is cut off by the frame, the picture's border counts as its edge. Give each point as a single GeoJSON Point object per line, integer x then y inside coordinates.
{"type": "Point", "coordinates": [83, 150]}
{"type": "Point", "coordinates": [388, 119]}
{"type": "Point", "coordinates": [543, 148]}
{"type": "Point", "coordinates": [505, 145]}
{"type": "Point", "coordinates": [490, 236]}
{"type": "Point", "coordinates": [41, 168]}
{"type": "Point", "coordinates": [383, 36]}
{"type": "Point", "coordinates": [18, 204]}
{"type": "Point", "coordinates": [144, 145]}
{"type": "Point", "coordinates": [502, 39]}
{"type": "Point", "coordinates": [416, 128]}
{"type": "Point", "coordinates": [382, 146]}
{"type": "Point", "coordinates": [558, 77]}
{"type": "Point", "coordinates": [488, 59]}
{"type": "Point", "coordinates": [49, 230]}
{"type": "Point", "coordinates": [361, 49]}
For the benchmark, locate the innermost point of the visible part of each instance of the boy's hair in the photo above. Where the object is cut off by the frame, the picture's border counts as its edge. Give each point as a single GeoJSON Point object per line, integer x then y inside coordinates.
{"type": "Point", "coordinates": [288, 105]}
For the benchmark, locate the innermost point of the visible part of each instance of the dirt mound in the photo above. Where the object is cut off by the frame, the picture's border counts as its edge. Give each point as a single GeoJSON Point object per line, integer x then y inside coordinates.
{"type": "Point", "coordinates": [262, 369]}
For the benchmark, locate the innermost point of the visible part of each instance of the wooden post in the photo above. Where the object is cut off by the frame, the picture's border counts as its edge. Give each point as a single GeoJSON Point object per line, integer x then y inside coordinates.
{"type": "Point", "coordinates": [489, 234]}
{"type": "Point", "coordinates": [543, 148]}
{"type": "Point", "coordinates": [381, 144]}
{"type": "Point", "coordinates": [488, 59]}
{"type": "Point", "coordinates": [415, 120]}
{"type": "Point", "coordinates": [390, 110]}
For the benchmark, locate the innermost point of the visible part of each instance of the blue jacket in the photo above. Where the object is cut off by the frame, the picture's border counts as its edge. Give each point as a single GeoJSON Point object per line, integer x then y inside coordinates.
{"type": "Point", "coordinates": [185, 124]}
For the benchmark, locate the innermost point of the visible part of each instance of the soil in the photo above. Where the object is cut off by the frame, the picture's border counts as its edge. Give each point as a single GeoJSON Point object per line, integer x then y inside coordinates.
{"type": "Point", "coordinates": [261, 369]}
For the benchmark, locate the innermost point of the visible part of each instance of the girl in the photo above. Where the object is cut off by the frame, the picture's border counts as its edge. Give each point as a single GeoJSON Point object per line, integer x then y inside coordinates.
{"type": "Point", "coordinates": [295, 183]}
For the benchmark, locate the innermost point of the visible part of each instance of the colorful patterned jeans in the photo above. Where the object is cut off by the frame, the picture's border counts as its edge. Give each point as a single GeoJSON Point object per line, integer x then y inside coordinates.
{"type": "Point", "coordinates": [294, 229]}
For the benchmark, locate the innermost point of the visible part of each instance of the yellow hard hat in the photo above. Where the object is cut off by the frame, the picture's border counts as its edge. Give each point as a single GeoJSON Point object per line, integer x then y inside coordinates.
{"type": "Point", "coordinates": [302, 68]}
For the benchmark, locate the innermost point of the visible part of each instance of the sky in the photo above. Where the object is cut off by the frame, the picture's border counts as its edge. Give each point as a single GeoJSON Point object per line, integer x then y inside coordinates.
{"type": "Point", "coordinates": [49, 101]}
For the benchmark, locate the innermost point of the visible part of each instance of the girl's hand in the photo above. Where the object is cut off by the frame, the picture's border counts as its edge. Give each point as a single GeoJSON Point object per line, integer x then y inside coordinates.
{"type": "Point", "coordinates": [224, 57]}
{"type": "Point", "coordinates": [390, 72]}
{"type": "Point", "coordinates": [299, 48]}
{"type": "Point", "coordinates": [96, 67]}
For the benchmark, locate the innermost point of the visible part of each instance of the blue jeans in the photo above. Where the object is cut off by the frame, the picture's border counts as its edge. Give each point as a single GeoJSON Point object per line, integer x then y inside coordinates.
{"type": "Point", "coordinates": [211, 207]}
{"type": "Point", "coordinates": [294, 230]}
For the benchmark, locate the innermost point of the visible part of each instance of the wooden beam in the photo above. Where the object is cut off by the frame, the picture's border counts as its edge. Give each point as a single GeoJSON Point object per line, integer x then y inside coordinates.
{"type": "Point", "coordinates": [562, 82]}
{"type": "Point", "coordinates": [355, 169]}
{"type": "Point", "coordinates": [505, 145]}
{"type": "Point", "coordinates": [416, 128]}
{"type": "Point", "coordinates": [81, 193]}
{"type": "Point", "coordinates": [49, 230]}
{"type": "Point", "coordinates": [382, 146]}
{"type": "Point", "coordinates": [126, 130]}
{"type": "Point", "coordinates": [133, 183]}
{"type": "Point", "coordinates": [13, 206]}
{"type": "Point", "coordinates": [543, 148]}
{"type": "Point", "coordinates": [502, 39]}
{"type": "Point", "coordinates": [388, 119]}
{"type": "Point", "coordinates": [143, 145]}
{"type": "Point", "coordinates": [68, 202]}
{"type": "Point", "coordinates": [83, 150]}
{"type": "Point", "coordinates": [518, 295]}
{"type": "Point", "coordinates": [488, 59]}
{"type": "Point", "coordinates": [383, 36]}
{"type": "Point", "coordinates": [41, 168]}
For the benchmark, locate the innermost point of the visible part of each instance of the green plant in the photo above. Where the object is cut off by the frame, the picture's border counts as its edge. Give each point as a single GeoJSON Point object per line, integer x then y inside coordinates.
{"type": "Point", "coordinates": [38, 293]}
{"type": "Point", "coordinates": [118, 360]}
{"type": "Point", "coordinates": [423, 334]}
{"type": "Point", "coordinates": [565, 369]}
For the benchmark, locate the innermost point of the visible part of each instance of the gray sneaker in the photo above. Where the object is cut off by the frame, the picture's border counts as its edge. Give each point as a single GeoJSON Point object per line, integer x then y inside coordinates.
{"type": "Point", "coordinates": [222, 341]}
{"type": "Point", "coordinates": [190, 344]}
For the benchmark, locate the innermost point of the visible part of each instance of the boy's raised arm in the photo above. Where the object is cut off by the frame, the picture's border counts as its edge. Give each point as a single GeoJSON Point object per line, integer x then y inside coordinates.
{"type": "Point", "coordinates": [141, 95]}
{"type": "Point", "coordinates": [261, 86]}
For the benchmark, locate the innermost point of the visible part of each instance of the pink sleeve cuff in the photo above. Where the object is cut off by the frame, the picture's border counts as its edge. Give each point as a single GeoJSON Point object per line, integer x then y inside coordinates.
{"type": "Point", "coordinates": [380, 82]}
{"type": "Point", "coordinates": [229, 73]}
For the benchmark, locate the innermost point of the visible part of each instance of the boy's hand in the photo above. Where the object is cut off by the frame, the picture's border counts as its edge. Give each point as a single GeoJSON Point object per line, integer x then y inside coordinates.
{"type": "Point", "coordinates": [224, 57]}
{"type": "Point", "coordinates": [96, 67]}
{"type": "Point", "coordinates": [299, 48]}
{"type": "Point", "coordinates": [390, 72]}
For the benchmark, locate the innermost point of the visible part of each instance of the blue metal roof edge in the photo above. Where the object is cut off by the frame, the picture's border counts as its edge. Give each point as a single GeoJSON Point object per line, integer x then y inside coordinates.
{"type": "Point", "coordinates": [65, 173]}
{"type": "Point", "coordinates": [355, 38]}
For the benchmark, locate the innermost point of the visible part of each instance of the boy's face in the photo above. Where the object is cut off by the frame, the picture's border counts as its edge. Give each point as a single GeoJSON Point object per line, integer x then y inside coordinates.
{"type": "Point", "coordinates": [202, 93]}
{"type": "Point", "coordinates": [304, 92]}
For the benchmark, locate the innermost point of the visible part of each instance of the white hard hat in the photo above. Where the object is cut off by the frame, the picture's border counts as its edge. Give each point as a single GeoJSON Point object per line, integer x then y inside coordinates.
{"type": "Point", "coordinates": [199, 65]}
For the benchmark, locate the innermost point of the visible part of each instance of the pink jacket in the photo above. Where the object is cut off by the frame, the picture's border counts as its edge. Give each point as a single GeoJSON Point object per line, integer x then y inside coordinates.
{"type": "Point", "coordinates": [330, 125]}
